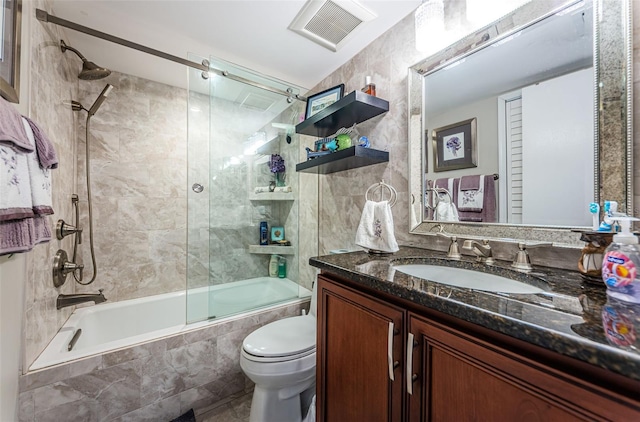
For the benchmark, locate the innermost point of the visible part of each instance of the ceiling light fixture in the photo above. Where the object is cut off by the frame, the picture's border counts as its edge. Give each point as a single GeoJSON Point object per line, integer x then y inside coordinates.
{"type": "Point", "coordinates": [429, 20]}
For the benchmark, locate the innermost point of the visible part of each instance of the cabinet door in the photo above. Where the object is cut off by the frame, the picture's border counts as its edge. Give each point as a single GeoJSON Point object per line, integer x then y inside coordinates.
{"type": "Point", "coordinates": [360, 352]}
{"type": "Point", "coordinates": [459, 378]}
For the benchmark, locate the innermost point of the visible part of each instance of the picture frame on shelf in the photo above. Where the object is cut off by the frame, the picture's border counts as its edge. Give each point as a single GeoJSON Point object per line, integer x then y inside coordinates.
{"type": "Point", "coordinates": [322, 100]}
{"type": "Point", "coordinates": [455, 146]}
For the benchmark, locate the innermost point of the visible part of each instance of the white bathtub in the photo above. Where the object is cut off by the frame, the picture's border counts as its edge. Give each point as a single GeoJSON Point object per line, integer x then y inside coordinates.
{"type": "Point", "coordinates": [116, 325]}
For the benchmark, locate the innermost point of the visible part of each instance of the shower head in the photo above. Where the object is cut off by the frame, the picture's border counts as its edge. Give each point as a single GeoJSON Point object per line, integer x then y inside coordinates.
{"type": "Point", "coordinates": [98, 102]}
{"type": "Point", "coordinates": [90, 71]}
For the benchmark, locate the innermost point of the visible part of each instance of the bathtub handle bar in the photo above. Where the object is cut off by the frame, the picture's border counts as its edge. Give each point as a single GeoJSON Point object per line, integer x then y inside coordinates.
{"type": "Point", "coordinates": [74, 339]}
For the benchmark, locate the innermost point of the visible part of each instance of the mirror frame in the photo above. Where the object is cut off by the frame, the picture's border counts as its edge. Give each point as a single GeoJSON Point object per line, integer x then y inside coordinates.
{"type": "Point", "coordinates": [613, 130]}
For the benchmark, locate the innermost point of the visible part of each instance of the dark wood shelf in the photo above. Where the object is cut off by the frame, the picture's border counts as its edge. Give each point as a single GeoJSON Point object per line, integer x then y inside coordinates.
{"type": "Point", "coordinates": [346, 159]}
{"type": "Point", "coordinates": [356, 107]}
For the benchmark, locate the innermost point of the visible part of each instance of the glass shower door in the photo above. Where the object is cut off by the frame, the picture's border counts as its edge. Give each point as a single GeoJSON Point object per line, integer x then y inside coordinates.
{"type": "Point", "coordinates": [249, 127]}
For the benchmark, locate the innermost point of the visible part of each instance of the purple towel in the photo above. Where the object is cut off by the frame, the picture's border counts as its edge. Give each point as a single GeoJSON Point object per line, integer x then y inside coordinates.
{"type": "Point", "coordinates": [11, 129]}
{"type": "Point", "coordinates": [470, 182]}
{"type": "Point", "coordinates": [46, 152]}
{"type": "Point", "coordinates": [23, 235]}
{"type": "Point", "coordinates": [488, 212]}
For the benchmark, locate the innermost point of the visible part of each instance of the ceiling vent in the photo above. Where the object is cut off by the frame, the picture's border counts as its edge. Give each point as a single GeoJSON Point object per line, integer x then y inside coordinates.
{"type": "Point", "coordinates": [330, 23]}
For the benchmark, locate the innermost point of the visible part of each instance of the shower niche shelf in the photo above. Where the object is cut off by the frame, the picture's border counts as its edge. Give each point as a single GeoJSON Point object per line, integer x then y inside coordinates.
{"type": "Point", "coordinates": [271, 196]}
{"type": "Point", "coordinates": [271, 250]}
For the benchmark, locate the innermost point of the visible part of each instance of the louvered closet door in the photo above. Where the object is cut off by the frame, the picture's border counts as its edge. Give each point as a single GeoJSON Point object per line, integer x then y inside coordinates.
{"type": "Point", "coordinates": [513, 118]}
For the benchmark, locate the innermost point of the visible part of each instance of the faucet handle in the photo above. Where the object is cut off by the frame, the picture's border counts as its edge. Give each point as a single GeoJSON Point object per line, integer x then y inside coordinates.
{"type": "Point", "coordinates": [454, 250]}
{"type": "Point", "coordinates": [521, 261]}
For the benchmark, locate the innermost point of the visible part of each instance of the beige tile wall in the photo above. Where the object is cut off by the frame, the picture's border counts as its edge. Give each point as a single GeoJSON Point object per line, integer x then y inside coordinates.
{"type": "Point", "coordinates": [53, 85]}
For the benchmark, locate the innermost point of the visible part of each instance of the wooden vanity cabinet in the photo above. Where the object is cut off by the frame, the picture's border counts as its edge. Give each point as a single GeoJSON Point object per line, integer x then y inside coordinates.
{"type": "Point", "coordinates": [359, 351]}
{"type": "Point", "coordinates": [443, 371]}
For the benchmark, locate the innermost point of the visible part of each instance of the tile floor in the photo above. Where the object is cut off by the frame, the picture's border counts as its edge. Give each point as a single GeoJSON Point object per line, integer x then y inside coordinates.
{"type": "Point", "coordinates": [234, 410]}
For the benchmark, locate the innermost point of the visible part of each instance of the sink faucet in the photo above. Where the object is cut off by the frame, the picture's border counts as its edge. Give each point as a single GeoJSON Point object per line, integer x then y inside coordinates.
{"type": "Point", "coordinates": [69, 300]}
{"type": "Point", "coordinates": [481, 250]}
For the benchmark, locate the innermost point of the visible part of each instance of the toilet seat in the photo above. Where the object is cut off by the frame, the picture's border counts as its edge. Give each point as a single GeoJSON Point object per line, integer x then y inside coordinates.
{"type": "Point", "coordinates": [282, 340]}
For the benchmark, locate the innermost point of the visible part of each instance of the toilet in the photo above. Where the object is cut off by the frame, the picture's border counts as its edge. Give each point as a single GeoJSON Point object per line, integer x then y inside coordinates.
{"type": "Point", "coordinates": [280, 358]}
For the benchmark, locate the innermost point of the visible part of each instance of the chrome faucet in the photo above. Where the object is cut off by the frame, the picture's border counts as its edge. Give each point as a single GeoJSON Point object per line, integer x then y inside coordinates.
{"type": "Point", "coordinates": [481, 251]}
{"type": "Point", "coordinates": [75, 299]}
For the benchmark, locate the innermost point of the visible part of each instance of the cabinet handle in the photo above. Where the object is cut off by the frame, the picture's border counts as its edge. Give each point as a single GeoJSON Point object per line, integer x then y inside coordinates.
{"type": "Point", "coordinates": [390, 351]}
{"type": "Point", "coordinates": [409, 363]}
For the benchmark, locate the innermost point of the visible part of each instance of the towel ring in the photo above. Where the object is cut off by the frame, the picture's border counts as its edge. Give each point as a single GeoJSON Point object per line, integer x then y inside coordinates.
{"type": "Point", "coordinates": [393, 194]}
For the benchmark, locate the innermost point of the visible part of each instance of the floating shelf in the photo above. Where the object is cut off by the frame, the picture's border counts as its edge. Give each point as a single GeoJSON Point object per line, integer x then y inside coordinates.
{"type": "Point", "coordinates": [346, 159]}
{"type": "Point", "coordinates": [356, 107]}
{"type": "Point", "coordinates": [272, 250]}
{"type": "Point", "coordinates": [272, 196]}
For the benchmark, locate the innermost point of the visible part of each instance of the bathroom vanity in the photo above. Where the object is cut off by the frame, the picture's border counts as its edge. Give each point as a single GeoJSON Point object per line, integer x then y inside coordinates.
{"type": "Point", "coordinates": [397, 347]}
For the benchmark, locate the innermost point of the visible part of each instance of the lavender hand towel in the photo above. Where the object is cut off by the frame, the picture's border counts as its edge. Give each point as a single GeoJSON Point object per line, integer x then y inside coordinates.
{"type": "Point", "coordinates": [23, 235]}
{"type": "Point", "coordinates": [471, 198]}
{"type": "Point", "coordinates": [44, 147]}
{"type": "Point", "coordinates": [11, 130]}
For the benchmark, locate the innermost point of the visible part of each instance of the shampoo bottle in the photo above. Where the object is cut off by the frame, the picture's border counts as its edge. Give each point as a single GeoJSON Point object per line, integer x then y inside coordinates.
{"type": "Point", "coordinates": [264, 229]}
{"type": "Point", "coordinates": [621, 263]}
{"type": "Point", "coordinates": [282, 267]}
{"type": "Point", "coordinates": [273, 266]}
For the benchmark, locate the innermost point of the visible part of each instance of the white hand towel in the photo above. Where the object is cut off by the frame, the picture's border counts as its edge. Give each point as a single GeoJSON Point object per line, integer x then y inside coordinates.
{"type": "Point", "coordinates": [375, 231]}
{"type": "Point", "coordinates": [15, 185]}
{"type": "Point", "coordinates": [446, 210]}
{"type": "Point", "coordinates": [40, 179]}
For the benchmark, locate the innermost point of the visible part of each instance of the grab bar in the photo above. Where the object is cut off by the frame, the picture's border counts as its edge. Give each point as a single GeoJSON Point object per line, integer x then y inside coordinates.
{"type": "Point", "coordinates": [74, 339]}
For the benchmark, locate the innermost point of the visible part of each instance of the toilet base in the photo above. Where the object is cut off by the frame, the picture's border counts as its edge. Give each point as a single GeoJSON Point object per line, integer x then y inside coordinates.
{"type": "Point", "coordinates": [268, 405]}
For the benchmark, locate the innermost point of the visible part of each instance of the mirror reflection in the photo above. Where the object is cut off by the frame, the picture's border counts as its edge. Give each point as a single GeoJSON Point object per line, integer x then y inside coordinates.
{"type": "Point", "coordinates": [509, 129]}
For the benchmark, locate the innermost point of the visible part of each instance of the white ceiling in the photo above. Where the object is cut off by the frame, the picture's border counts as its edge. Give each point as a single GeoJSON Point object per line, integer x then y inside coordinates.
{"type": "Point", "coordinates": [251, 33]}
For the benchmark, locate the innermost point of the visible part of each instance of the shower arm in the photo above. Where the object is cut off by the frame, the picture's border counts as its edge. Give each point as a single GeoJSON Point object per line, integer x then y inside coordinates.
{"type": "Point", "coordinates": [43, 16]}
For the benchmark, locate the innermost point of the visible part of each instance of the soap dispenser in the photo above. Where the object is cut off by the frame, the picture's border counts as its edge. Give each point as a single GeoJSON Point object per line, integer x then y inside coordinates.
{"type": "Point", "coordinates": [621, 262]}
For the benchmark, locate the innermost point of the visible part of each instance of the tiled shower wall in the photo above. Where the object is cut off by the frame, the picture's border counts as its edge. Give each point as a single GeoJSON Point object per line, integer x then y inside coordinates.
{"type": "Point", "coordinates": [53, 85]}
{"type": "Point", "coordinates": [138, 147]}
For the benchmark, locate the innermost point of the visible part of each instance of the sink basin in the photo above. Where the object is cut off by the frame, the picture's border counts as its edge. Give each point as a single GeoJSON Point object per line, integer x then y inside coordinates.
{"type": "Point", "coordinates": [460, 277]}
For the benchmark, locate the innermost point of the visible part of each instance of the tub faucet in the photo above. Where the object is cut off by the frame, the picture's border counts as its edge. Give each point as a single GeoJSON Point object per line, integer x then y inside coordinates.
{"type": "Point", "coordinates": [75, 299]}
{"type": "Point", "coordinates": [481, 250]}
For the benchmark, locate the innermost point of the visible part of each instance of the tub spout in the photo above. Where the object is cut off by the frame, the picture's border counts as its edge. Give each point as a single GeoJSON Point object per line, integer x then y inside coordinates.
{"type": "Point", "coordinates": [75, 299]}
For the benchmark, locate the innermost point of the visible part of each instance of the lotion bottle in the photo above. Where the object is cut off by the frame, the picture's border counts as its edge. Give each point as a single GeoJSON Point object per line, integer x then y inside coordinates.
{"type": "Point", "coordinates": [621, 263]}
{"type": "Point", "coordinates": [273, 266]}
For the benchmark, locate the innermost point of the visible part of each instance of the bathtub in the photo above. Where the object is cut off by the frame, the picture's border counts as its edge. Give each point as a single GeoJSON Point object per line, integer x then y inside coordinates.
{"type": "Point", "coordinates": [116, 325]}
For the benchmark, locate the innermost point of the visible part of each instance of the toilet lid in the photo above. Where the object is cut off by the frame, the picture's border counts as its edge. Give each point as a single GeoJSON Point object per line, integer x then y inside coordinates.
{"type": "Point", "coordinates": [285, 337]}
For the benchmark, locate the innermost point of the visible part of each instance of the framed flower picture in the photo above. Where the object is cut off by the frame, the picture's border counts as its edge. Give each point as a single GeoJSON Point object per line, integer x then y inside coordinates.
{"type": "Point", "coordinates": [455, 146]}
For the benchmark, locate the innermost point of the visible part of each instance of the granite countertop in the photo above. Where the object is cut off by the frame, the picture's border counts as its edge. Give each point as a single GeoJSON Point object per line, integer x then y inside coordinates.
{"type": "Point", "coordinates": [567, 317]}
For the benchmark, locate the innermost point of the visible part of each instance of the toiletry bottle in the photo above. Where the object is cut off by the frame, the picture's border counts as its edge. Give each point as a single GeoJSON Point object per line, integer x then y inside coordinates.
{"type": "Point", "coordinates": [621, 263]}
{"type": "Point", "coordinates": [282, 267]}
{"type": "Point", "coordinates": [263, 233]}
{"type": "Point", "coordinates": [369, 87]}
{"type": "Point", "coordinates": [273, 266]}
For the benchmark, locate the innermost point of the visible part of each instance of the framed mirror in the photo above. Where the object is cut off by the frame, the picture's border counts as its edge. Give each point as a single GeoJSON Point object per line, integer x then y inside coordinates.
{"type": "Point", "coordinates": [548, 87]}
